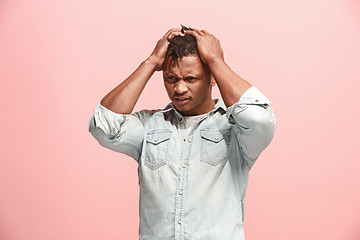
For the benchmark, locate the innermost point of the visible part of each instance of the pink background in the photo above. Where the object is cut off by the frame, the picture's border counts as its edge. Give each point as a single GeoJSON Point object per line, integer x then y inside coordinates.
{"type": "Point", "coordinates": [59, 58]}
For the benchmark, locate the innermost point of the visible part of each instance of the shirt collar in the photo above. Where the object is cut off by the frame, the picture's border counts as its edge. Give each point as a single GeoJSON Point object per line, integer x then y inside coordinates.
{"type": "Point", "coordinates": [219, 105]}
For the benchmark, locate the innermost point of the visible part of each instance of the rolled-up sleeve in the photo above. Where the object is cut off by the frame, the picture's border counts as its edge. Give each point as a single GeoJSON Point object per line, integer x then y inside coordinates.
{"type": "Point", "coordinates": [254, 124]}
{"type": "Point", "coordinates": [119, 132]}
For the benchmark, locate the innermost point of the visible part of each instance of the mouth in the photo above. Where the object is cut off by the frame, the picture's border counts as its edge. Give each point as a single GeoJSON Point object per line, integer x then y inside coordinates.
{"type": "Point", "coordinates": [181, 100]}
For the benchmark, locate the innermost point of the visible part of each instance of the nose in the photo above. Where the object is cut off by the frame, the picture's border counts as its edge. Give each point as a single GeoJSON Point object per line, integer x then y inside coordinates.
{"type": "Point", "coordinates": [180, 87]}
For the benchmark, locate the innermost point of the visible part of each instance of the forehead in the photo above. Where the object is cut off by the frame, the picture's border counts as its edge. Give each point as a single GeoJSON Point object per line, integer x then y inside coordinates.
{"type": "Point", "coordinates": [185, 65]}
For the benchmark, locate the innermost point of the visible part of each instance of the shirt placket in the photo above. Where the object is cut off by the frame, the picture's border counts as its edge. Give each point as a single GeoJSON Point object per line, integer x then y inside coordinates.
{"type": "Point", "coordinates": [186, 144]}
{"type": "Point", "coordinates": [181, 186]}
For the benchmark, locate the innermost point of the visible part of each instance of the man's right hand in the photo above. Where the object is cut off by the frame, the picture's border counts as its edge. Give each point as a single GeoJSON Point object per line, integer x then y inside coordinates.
{"type": "Point", "coordinates": [157, 57]}
{"type": "Point", "coordinates": [123, 97]}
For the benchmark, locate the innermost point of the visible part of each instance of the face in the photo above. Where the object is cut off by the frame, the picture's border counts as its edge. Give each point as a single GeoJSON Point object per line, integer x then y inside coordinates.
{"type": "Point", "coordinates": [188, 83]}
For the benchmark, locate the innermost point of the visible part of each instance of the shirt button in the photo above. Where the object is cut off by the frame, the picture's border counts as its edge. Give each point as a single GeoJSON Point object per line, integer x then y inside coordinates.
{"type": "Point", "coordinates": [156, 139]}
{"type": "Point", "coordinates": [189, 140]}
{"type": "Point", "coordinates": [216, 138]}
{"type": "Point", "coordinates": [184, 139]}
{"type": "Point", "coordinates": [179, 222]}
{"type": "Point", "coordinates": [180, 193]}
{"type": "Point", "coordinates": [184, 166]}
{"type": "Point", "coordinates": [257, 100]}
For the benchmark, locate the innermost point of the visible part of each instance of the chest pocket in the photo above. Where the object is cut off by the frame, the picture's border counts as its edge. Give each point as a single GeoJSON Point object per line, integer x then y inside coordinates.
{"type": "Point", "coordinates": [214, 146]}
{"type": "Point", "coordinates": [156, 148]}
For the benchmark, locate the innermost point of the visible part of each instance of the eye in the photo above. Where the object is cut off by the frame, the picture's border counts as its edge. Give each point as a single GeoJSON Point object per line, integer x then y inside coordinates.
{"type": "Point", "coordinates": [170, 79]}
{"type": "Point", "coordinates": [191, 79]}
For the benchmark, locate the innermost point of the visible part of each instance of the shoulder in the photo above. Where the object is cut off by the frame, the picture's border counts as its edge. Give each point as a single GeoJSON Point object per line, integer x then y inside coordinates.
{"type": "Point", "coordinates": [146, 114]}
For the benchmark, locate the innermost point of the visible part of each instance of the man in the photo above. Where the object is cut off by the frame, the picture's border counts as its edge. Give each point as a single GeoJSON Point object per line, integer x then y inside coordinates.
{"type": "Point", "coordinates": [194, 156]}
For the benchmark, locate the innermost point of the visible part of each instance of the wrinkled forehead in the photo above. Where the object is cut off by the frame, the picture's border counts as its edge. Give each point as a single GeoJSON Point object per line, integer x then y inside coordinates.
{"type": "Point", "coordinates": [191, 64]}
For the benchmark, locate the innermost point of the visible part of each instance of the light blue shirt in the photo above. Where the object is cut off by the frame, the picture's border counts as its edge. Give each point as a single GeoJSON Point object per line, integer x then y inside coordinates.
{"type": "Point", "coordinates": [192, 185]}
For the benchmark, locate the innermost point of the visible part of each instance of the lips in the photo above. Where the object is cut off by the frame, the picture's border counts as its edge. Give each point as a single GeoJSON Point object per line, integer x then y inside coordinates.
{"type": "Point", "coordinates": [181, 100]}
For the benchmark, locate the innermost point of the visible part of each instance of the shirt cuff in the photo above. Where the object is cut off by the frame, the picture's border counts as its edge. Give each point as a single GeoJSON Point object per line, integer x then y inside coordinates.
{"type": "Point", "coordinates": [253, 96]}
{"type": "Point", "coordinates": [108, 121]}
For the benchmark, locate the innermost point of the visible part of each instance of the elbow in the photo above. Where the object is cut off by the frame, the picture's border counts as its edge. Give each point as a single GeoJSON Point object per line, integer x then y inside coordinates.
{"type": "Point", "coordinates": [92, 126]}
{"type": "Point", "coordinates": [265, 125]}
{"type": "Point", "coordinates": [259, 116]}
{"type": "Point", "coordinates": [99, 134]}
{"type": "Point", "coordinates": [257, 128]}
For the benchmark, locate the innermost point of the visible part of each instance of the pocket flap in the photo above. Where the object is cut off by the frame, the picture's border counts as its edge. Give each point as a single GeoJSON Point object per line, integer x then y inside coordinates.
{"type": "Point", "coordinates": [156, 137]}
{"type": "Point", "coordinates": [212, 135]}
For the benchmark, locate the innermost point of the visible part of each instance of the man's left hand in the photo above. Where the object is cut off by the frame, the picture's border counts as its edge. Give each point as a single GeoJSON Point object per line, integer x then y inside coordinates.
{"type": "Point", "coordinates": [208, 45]}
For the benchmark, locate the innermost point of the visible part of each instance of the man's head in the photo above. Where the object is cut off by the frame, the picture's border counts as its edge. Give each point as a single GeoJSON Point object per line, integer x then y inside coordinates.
{"type": "Point", "coordinates": [188, 81]}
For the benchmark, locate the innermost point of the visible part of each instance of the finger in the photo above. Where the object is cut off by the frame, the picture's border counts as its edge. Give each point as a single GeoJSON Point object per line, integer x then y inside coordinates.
{"type": "Point", "coordinates": [172, 30]}
{"type": "Point", "coordinates": [194, 33]}
{"type": "Point", "coordinates": [205, 32]}
{"type": "Point", "coordinates": [176, 30]}
{"type": "Point", "coordinates": [198, 31]}
{"type": "Point", "coordinates": [167, 33]}
{"type": "Point", "coordinates": [173, 34]}
{"type": "Point", "coordinates": [176, 34]}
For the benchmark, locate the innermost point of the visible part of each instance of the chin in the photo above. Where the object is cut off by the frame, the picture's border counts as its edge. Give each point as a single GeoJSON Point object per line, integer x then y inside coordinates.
{"type": "Point", "coordinates": [183, 109]}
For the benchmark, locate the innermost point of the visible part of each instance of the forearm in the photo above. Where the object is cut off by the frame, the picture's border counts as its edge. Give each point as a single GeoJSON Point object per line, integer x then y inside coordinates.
{"type": "Point", "coordinates": [123, 98]}
{"type": "Point", "coordinates": [231, 86]}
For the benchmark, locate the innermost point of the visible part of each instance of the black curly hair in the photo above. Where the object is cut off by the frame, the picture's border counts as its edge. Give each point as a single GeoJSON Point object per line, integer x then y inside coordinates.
{"type": "Point", "coordinates": [181, 46]}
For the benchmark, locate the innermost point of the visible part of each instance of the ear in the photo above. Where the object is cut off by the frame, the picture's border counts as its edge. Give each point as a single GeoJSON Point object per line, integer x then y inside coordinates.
{"type": "Point", "coordinates": [212, 79]}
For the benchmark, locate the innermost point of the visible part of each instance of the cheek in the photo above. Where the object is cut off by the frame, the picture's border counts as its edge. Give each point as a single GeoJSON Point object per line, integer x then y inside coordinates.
{"type": "Point", "coordinates": [169, 89]}
{"type": "Point", "coordinates": [200, 89]}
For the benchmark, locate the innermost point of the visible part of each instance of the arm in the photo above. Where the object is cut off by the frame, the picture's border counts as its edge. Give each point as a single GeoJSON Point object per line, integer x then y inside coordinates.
{"type": "Point", "coordinates": [248, 110]}
{"type": "Point", "coordinates": [123, 98]}
{"type": "Point", "coordinates": [112, 123]}
{"type": "Point", "coordinates": [231, 86]}
{"type": "Point", "coordinates": [110, 130]}
{"type": "Point", "coordinates": [254, 124]}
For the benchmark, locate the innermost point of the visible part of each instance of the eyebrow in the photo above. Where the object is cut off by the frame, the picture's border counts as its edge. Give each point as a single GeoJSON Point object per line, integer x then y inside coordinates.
{"type": "Point", "coordinates": [189, 75]}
